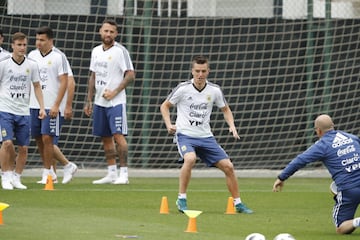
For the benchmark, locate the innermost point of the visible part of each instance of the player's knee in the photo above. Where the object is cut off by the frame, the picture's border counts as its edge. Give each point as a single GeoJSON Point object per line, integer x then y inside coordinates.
{"type": "Point", "coordinates": [7, 145]}
{"type": "Point", "coordinates": [226, 166]}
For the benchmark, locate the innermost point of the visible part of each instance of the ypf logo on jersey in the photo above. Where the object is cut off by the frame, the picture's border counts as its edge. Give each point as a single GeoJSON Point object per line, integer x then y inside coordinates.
{"type": "Point", "coordinates": [341, 140]}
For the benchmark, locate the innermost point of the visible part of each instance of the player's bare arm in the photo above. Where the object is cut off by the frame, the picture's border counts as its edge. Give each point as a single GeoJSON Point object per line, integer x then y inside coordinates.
{"type": "Point", "coordinates": [54, 111]}
{"type": "Point", "coordinates": [68, 112]}
{"type": "Point", "coordinates": [165, 112]}
{"type": "Point", "coordinates": [229, 118]}
{"type": "Point", "coordinates": [88, 108]}
{"type": "Point", "coordinates": [40, 99]}
{"type": "Point", "coordinates": [129, 77]}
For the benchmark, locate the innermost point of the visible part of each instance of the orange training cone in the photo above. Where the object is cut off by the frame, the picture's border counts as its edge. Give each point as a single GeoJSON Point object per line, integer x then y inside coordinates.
{"type": "Point", "coordinates": [1, 218]}
{"type": "Point", "coordinates": [230, 209]}
{"type": "Point", "coordinates": [192, 214]}
{"type": "Point", "coordinates": [191, 227]}
{"type": "Point", "coordinates": [164, 207]}
{"type": "Point", "coordinates": [49, 183]}
{"type": "Point", "coordinates": [2, 207]}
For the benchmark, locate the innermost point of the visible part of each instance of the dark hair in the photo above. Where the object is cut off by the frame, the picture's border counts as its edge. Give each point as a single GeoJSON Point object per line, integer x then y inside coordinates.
{"type": "Point", "coordinates": [1, 33]}
{"type": "Point", "coordinates": [200, 60]}
{"type": "Point", "coordinates": [18, 36]}
{"type": "Point", "coordinates": [46, 30]}
{"type": "Point", "coordinates": [111, 22]}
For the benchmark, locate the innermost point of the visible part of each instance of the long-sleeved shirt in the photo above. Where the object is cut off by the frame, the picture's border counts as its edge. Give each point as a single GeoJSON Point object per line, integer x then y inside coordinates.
{"type": "Point", "coordinates": [339, 152]}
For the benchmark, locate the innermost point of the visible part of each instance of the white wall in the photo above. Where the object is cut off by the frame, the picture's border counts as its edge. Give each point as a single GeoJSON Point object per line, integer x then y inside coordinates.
{"type": "Point", "coordinates": [66, 7]}
{"type": "Point", "coordinates": [345, 9]}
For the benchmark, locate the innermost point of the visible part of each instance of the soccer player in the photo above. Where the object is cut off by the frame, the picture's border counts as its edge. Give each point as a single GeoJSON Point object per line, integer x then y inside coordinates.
{"type": "Point", "coordinates": [17, 73]}
{"type": "Point", "coordinates": [194, 100]}
{"type": "Point", "coordinates": [111, 71]}
{"type": "Point", "coordinates": [70, 168]}
{"type": "Point", "coordinates": [53, 66]}
{"type": "Point", "coordinates": [3, 52]}
{"type": "Point", "coordinates": [339, 152]}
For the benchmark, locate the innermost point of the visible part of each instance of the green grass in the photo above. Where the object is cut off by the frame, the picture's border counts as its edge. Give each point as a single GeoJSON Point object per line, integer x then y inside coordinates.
{"type": "Point", "coordinates": [82, 211]}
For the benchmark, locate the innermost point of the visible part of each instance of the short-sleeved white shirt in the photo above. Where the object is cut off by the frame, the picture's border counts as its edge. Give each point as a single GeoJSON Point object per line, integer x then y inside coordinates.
{"type": "Point", "coordinates": [4, 53]}
{"type": "Point", "coordinates": [194, 107]}
{"type": "Point", "coordinates": [109, 67]}
{"type": "Point", "coordinates": [15, 85]}
{"type": "Point", "coordinates": [63, 102]}
{"type": "Point", "coordinates": [51, 66]}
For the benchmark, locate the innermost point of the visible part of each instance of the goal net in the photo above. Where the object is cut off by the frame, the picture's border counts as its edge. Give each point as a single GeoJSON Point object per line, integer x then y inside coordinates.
{"type": "Point", "coordinates": [280, 63]}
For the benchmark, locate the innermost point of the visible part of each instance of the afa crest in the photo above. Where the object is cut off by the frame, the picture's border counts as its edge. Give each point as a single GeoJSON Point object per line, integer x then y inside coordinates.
{"type": "Point", "coordinates": [208, 98]}
{"type": "Point", "coordinates": [3, 132]}
{"type": "Point", "coordinates": [183, 148]}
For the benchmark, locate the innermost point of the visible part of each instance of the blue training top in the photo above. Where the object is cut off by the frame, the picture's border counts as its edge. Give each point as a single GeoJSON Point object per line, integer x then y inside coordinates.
{"type": "Point", "coordinates": [340, 153]}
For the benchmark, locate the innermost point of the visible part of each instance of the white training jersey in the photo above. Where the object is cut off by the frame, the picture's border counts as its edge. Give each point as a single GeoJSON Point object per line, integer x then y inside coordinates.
{"type": "Point", "coordinates": [4, 53]}
{"type": "Point", "coordinates": [63, 102]}
{"type": "Point", "coordinates": [51, 66]}
{"type": "Point", "coordinates": [109, 67]}
{"type": "Point", "coordinates": [15, 84]}
{"type": "Point", "coordinates": [194, 107]}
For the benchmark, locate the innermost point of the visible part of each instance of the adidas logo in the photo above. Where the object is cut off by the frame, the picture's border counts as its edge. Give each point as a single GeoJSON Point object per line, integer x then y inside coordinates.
{"type": "Point", "coordinates": [341, 140]}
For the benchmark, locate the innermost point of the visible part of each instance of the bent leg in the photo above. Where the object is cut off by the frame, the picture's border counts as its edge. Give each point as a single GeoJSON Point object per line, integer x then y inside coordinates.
{"type": "Point", "coordinates": [185, 171]}
{"type": "Point", "coordinates": [227, 167]}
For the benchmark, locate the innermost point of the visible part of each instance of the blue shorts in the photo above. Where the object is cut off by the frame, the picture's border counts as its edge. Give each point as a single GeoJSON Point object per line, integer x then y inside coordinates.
{"type": "Point", "coordinates": [56, 138]}
{"type": "Point", "coordinates": [109, 120]}
{"type": "Point", "coordinates": [207, 149]}
{"type": "Point", "coordinates": [346, 203]}
{"type": "Point", "coordinates": [47, 126]}
{"type": "Point", "coordinates": [15, 126]}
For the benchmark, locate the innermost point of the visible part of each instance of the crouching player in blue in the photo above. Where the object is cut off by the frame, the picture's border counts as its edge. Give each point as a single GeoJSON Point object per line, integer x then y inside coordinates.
{"type": "Point", "coordinates": [339, 151]}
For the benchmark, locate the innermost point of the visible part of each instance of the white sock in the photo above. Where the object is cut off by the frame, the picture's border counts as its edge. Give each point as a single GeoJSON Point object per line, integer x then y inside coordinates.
{"type": "Point", "coordinates": [8, 174]}
{"type": "Point", "coordinates": [52, 172]}
{"type": "Point", "coordinates": [123, 171]}
{"type": "Point", "coordinates": [46, 172]}
{"type": "Point", "coordinates": [356, 222]}
{"type": "Point", "coordinates": [182, 195]}
{"type": "Point", "coordinates": [112, 170]}
{"type": "Point", "coordinates": [237, 201]}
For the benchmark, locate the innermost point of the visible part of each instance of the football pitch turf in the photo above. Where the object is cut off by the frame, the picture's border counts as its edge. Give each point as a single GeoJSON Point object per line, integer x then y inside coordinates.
{"type": "Point", "coordinates": [83, 211]}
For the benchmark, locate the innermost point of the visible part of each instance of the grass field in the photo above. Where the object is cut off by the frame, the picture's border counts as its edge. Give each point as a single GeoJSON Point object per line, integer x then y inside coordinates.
{"type": "Point", "coordinates": [82, 211]}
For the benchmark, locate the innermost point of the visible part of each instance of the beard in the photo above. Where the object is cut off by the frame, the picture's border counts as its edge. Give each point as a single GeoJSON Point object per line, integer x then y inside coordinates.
{"type": "Point", "coordinates": [107, 41]}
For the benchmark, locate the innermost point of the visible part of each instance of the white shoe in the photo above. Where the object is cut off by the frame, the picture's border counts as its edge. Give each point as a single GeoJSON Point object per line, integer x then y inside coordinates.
{"type": "Point", "coordinates": [110, 178]}
{"type": "Point", "coordinates": [45, 176]}
{"type": "Point", "coordinates": [69, 172]}
{"type": "Point", "coordinates": [6, 180]}
{"type": "Point", "coordinates": [17, 184]}
{"type": "Point", "coordinates": [121, 180]}
{"type": "Point", "coordinates": [6, 184]}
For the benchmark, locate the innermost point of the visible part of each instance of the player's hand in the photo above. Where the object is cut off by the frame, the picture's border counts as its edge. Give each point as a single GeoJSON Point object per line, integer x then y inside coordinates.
{"type": "Point", "coordinates": [54, 111]}
{"type": "Point", "coordinates": [109, 94]}
{"type": "Point", "coordinates": [278, 185]}
{"type": "Point", "coordinates": [68, 113]}
{"type": "Point", "coordinates": [234, 132]}
{"type": "Point", "coordinates": [88, 109]}
{"type": "Point", "coordinates": [171, 129]}
{"type": "Point", "coordinates": [42, 114]}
